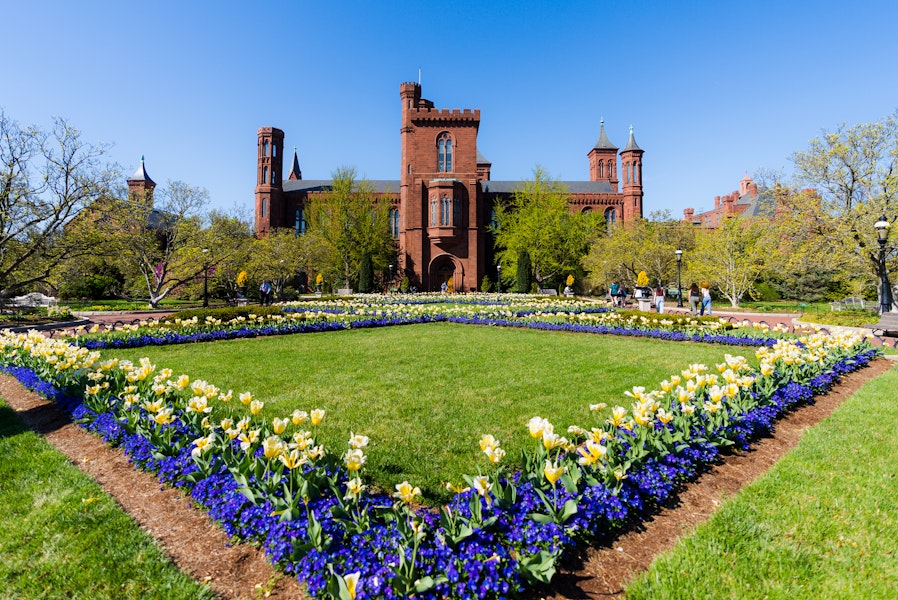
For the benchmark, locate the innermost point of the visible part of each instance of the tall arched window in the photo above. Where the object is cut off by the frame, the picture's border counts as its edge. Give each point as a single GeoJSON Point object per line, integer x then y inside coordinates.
{"type": "Point", "coordinates": [610, 218]}
{"type": "Point", "coordinates": [601, 169]}
{"type": "Point", "coordinates": [264, 174]}
{"type": "Point", "coordinates": [444, 153]}
{"type": "Point", "coordinates": [456, 212]}
{"type": "Point", "coordinates": [610, 169]}
{"type": "Point", "coordinates": [434, 211]}
{"type": "Point", "coordinates": [300, 222]}
{"type": "Point", "coordinates": [445, 208]}
{"type": "Point", "coordinates": [264, 207]}
{"type": "Point", "coordinates": [265, 148]}
{"type": "Point", "coordinates": [394, 222]}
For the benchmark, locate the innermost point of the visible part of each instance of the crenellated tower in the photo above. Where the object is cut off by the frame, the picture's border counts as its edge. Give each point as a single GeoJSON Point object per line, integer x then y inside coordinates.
{"type": "Point", "coordinates": [631, 164]}
{"type": "Point", "coordinates": [270, 209]}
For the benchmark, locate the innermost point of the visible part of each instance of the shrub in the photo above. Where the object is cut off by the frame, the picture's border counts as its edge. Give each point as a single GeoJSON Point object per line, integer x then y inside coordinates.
{"type": "Point", "coordinates": [404, 285]}
{"type": "Point", "coordinates": [522, 277]}
{"type": "Point", "coordinates": [226, 313]}
{"type": "Point", "coordinates": [764, 292]}
{"type": "Point", "coordinates": [486, 285]}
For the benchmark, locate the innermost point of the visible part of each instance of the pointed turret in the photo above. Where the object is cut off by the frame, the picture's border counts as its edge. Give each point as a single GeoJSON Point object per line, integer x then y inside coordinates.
{"type": "Point", "coordinates": [295, 173]}
{"type": "Point", "coordinates": [631, 161]}
{"type": "Point", "coordinates": [140, 186]}
{"type": "Point", "coordinates": [603, 159]}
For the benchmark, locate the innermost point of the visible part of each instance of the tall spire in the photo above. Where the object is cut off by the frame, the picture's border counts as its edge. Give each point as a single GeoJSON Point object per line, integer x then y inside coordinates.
{"type": "Point", "coordinates": [295, 173]}
{"type": "Point", "coordinates": [631, 143]}
{"type": "Point", "coordinates": [604, 143]}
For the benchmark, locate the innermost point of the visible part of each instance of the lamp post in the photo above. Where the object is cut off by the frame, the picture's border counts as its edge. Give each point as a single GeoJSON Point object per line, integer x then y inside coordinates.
{"type": "Point", "coordinates": [205, 279]}
{"type": "Point", "coordinates": [498, 280]}
{"type": "Point", "coordinates": [390, 283]}
{"type": "Point", "coordinates": [679, 254]}
{"type": "Point", "coordinates": [882, 232]}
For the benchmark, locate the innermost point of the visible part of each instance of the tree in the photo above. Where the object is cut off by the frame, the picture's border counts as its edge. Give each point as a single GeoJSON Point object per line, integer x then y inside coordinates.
{"type": "Point", "coordinates": [855, 171]}
{"type": "Point", "coordinates": [172, 243]}
{"type": "Point", "coordinates": [731, 257]}
{"type": "Point", "coordinates": [46, 180]}
{"type": "Point", "coordinates": [280, 256]}
{"type": "Point", "coordinates": [538, 220]}
{"type": "Point", "coordinates": [522, 273]}
{"type": "Point", "coordinates": [643, 245]}
{"type": "Point", "coordinates": [366, 274]}
{"type": "Point", "coordinates": [350, 222]}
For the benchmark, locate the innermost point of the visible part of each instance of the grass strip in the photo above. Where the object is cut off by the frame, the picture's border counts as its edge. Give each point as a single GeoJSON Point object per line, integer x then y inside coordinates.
{"type": "Point", "coordinates": [823, 523]}
{"type": "Point", "coordinates": [61, 536]}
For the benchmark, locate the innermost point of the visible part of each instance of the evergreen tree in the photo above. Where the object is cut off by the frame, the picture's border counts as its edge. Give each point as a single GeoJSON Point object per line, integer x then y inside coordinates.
{"type": "Point", "coordinates": [366, 274]}
{"type": "Point", "coordinates": [522, 281]}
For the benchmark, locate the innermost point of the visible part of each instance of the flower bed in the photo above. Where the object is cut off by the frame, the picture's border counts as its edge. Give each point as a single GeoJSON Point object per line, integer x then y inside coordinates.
{"type": "Point", "coordinates": [506, 530]}
{"type": "Point", "coordinates": [374, 311]}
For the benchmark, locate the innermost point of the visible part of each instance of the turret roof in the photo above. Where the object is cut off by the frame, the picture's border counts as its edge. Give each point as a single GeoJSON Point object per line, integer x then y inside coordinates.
{"type": "Point", "coordinates": [295, 172]}
{"type": "Point", "coordinates": [141, 174]}
{"type": "Point", "coordinates": [631, 143]}
{"type": "Point", "coordinates": [604, 143]}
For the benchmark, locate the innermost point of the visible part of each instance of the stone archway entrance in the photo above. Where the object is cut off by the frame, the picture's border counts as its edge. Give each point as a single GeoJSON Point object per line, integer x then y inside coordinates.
{"type": "Point", "coordinates": [444, 269]}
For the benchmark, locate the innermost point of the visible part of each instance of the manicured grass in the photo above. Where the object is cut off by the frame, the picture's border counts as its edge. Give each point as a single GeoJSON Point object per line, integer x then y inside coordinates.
{"type": "Point", "coordinates": [61, 536]}
{"type": "Point", "coordinates": [425, 394]}
{"type": "Point", "coordinates": [822, 524]}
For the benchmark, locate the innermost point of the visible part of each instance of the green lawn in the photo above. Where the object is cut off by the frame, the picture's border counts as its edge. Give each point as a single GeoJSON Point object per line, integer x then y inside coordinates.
{"type": "Point", "coordinates": [425, 394]}
{"type": "Point", "coordinates": [822, 524]}
{"type": "Point", "coordinates": [61, 536]}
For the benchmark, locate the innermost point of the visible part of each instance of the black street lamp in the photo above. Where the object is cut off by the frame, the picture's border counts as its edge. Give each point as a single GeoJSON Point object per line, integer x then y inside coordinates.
{"type": "Point", "coordinates": [390, 283]}
{"type": "Point", "coordinates": [882, 232]}
{"type": "Point", "coordinates": [679, 254]}
{"type": "Point", "coordinates": [205, 279]}
{"type": "Point", "coordinates": [498, 280]}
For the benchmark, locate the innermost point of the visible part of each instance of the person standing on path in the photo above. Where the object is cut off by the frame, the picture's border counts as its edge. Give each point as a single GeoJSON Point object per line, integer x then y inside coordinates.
{"type": "Point", "coordinates": [659, 298]}
{"type": "Point", "coordinates": [706, 298]}
{"type": "Point", "coordinates": [265, 293]}
{"type": "Point", "coordinates": [695, 297]}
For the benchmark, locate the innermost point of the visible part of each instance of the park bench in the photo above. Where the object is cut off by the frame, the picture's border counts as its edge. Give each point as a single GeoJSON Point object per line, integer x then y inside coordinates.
{"type": "Point", "coordinates": [850, 303]}
{"type": "Point", "coordinates": [888, 325]}
{"type": "Point", "coordinates": [548, 292]}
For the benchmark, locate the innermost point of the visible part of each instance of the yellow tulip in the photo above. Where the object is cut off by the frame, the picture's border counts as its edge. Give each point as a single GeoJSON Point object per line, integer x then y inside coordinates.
{"type": "Point", "coordinates": [279, 425]}
{"type": "Point", "coordinates": [255, 407]}
{"type": "Point", "coordinates": [246, 398]}
{"type": "Point", "coordinates": [482, 485]}
{"type": "Point", "coordinates": [405, 492]}
{"type": "Point", "coordinates": [354, 459]}
{"type": "Point", "coordinates": [552, 472]}
{"type": "Point", "coordinates": [488, 442]}
{"type": "Point", "coordinates": [299, 417]}
{"type": "Point", "coordinates": [316, 416]}
{"type": "Point", "coordinates": [591, 452]}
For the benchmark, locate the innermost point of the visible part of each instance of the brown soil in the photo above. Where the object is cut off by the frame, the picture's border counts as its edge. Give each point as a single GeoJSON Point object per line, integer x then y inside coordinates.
{"type": "Point", "coordinates": [203, 550]}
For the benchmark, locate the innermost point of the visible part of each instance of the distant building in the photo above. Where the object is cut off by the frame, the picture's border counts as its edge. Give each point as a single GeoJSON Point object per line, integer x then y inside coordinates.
{"type": "Point", "coordinates": [443, 201]}
{"type": "Point", "coordinates": [747, 201]}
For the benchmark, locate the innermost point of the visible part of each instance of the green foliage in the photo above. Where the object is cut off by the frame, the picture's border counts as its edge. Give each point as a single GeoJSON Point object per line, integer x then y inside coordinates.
{"type": "Point", "coordinates": [538, 221]}
{"type": "Point", "coordinates": [765, 292]}
{"type": "Point", "coordinates": [522, 273]}
{"type": "Point", "coordinates": [225, 313]}
{"type": "Point", "coordinates": [486, 285]}
{"type": "Point", "coordinates": [404, 285]}
{"type": "Point", "coordinates": [366, 274]}
{"type": "Point", "coordinates": [732, 257]}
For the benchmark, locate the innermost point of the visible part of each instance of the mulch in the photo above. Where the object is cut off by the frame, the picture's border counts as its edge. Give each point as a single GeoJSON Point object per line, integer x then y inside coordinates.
{"type": "Point", "coordinates": [240, 571]}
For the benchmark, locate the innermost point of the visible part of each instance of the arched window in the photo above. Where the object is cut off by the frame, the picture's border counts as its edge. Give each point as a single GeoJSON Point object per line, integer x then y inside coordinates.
{"type": "Point", "coordinates": [610, 218]}
{"type": "Point", "coordinates": [444, 153]}
{"type": "Point", "coordinates": [456, 212]}
{"type": "Point", "coordinates": [445, 208]}
{"type": "Point", "coordinates": [586, 209]}
{"type": "Point", "coordinates": [601, 169]}
{"type": "Point", "coordinates": [610, 169]}
{"type": "Point", "coordinates": [274, 149]}
{"type": "Point", "coordinates": [264, 207]}
{"type": "Point", "coordinates": [434, 211]}
{"type": "Point", "coordinates": [394, 222]}
{"type": "Point", "coordinates": [300, 223]}
{"type": "Point", "coordinates": [265, 148]}
{"type": "Point", "coordinates": [264, 174]}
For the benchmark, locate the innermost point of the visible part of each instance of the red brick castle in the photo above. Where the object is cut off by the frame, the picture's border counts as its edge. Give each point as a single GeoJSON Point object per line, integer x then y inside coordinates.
{"type": "Point", "coordinates": [443, 201]}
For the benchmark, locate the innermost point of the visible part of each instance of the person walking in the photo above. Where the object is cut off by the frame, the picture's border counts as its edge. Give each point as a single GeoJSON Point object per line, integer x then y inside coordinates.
{"type": "Point", "coordinates": [695, 297]}
{"type": "Point", "coordinates": [659, 298]}
{"type": "Point", "coordinates": [706, 298]}
{"type": "Point", "coordinates": [615, 294]}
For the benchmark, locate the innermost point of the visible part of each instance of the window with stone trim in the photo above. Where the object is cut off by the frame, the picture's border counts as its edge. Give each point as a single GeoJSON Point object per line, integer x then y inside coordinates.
{"type": "Point", "coordinates": [394, 222]}
{"type": "Point", "coordinates": [445, 209]}
{"type": "Point", "coordinates": [434, 211]}
{"type": "Point", "coordinates": [444, 153]}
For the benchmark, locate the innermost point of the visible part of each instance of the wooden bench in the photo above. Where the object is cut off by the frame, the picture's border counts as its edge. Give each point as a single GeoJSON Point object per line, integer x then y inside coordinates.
{"type": "Point", "coordinates": [888, 325]}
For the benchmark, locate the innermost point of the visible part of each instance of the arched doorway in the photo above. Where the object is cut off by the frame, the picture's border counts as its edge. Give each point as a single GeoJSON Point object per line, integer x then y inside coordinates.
{"type": "Point", "coordinates": [445, 269]}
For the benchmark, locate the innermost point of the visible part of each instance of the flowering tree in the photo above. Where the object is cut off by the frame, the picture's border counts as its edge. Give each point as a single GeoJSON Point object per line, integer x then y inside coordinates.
{"type": "Point", "coordinates": [732, 257]}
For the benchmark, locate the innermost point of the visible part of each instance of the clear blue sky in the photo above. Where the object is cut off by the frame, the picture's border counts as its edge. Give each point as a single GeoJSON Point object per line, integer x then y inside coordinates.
{"type": "Point", "coordinates": [712, 89]}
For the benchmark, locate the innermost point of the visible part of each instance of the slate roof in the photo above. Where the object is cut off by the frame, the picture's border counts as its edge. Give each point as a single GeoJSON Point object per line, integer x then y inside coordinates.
{"type": "Point", "coordinates": [324, 185]}
{"type": "Point", "coordinates": [573, 187]}
{"type": "Point", "coordinates": [631, 143]}
{"type": "Point", "coordinates": [604, 143]}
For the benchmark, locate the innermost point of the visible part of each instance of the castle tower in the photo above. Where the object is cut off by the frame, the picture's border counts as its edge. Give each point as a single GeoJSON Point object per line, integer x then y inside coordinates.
{"type": "Point", "coordinates": [603, 160]}
{"type": "Point", "coordinates": [631, 163]}
{"type": "Point", "coordinates": [441, 233]}
{"type": "Point", "coordinates": [270, 210]}
{"type": "Point", "coordinates": [140, 186]}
